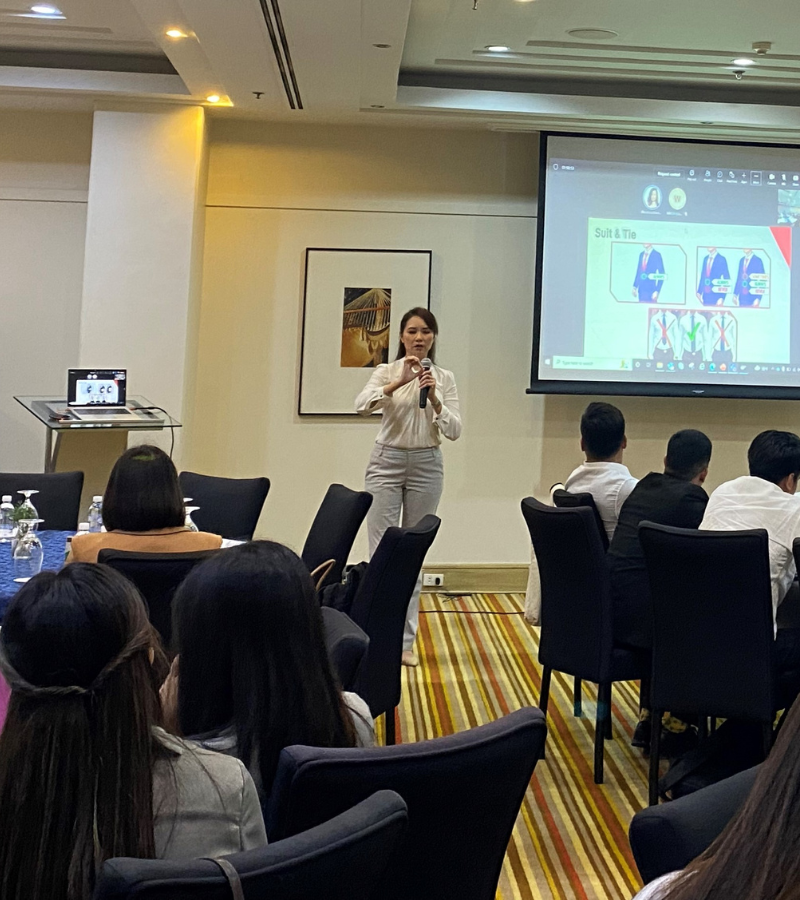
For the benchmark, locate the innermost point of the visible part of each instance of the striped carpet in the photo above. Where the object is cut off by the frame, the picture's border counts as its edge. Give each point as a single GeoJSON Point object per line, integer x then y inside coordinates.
{"type": "Point", "coordinates": [478, 661]}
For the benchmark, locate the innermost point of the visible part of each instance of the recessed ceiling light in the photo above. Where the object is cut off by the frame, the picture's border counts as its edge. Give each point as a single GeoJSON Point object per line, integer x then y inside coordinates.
{"type": "Point", "coordinates": [497, 48]}
{"type": "Point", "coordinates": [213, 98]}
{"type": "Point", "coordinates": [743, 61]}
{"type": "Point", "coordinates": [44, 10]}
{"type": "Point", "coordinates": [175, 33]}
{"type": "Point", "coordinates": [592, 34]}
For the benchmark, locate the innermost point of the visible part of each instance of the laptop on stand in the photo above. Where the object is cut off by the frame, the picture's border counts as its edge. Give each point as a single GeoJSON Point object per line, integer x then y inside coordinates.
{"type": "Point", "coordinates": [97, 396]}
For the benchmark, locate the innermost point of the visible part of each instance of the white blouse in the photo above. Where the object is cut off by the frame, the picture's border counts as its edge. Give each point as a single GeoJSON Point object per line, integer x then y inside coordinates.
{"type": "Point", "coordinates": [406, 426]}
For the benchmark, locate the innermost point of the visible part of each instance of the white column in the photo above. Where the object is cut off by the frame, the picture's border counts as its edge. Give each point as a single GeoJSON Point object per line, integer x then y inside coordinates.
{"type": "Point", "coordinates": [143, 243]}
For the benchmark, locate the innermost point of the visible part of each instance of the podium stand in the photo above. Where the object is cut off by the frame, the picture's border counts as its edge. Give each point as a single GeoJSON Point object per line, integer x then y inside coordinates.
{"type": "Point", "coordinates": [92, 448]}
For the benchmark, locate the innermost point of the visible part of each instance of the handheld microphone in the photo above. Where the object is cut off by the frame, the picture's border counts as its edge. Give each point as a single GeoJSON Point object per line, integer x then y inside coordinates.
{"type": "Point", "coordinates": [423, 392]}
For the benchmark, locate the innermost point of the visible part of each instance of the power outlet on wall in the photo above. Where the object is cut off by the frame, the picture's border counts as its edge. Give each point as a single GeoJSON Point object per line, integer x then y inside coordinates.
{"type": "Point", "coordinates": [429, 579]}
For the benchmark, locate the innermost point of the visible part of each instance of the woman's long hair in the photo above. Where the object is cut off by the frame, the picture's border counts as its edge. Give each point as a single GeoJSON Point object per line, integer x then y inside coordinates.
{"type": "Point", "coordinates": [252, 656]}
{"type": "Point", "coordinates": [756, 857]}
{"type": "Point", "coordinates": [429, 319]}
{"type": "Point", "coordinates": [76, 752]}
{"type": "Point", "coordinates": [143, 492]}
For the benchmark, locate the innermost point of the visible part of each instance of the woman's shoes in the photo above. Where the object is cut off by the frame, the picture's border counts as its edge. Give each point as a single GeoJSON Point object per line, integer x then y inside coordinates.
{"type": "Point", "coordinates": [409, 658]}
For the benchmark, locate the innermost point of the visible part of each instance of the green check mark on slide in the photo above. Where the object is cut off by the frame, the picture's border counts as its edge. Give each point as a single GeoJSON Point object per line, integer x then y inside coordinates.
{"type": "Point", "coordinates": [693, 332]}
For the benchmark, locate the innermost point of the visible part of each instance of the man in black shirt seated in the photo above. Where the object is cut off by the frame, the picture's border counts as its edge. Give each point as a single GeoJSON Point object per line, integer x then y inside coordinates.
{"type": "Point", "coordinates": [674, 498]}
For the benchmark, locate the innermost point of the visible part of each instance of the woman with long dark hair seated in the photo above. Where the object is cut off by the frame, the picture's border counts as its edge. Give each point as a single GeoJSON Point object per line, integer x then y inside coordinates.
{"type": "Point", "coordinates": [85, 773]}
{"type": "Point", "coordinates": [143, 510]}
{"type": "Point", "coordinates": [253, 674]}
{"type": "Point", "coordinates": [756, 857]}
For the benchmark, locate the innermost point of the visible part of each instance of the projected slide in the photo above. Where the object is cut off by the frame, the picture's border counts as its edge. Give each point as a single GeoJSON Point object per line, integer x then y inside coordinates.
{"type": "Point", "coordinates": [667, 263]}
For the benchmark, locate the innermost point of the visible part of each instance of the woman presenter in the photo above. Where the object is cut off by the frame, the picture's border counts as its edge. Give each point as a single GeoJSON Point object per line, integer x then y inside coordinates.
{"type": "Point", "coordinates": [405, 473]}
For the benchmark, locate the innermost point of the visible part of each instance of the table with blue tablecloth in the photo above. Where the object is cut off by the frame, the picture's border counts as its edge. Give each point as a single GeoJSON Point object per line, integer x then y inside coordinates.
{"type": "Point", "coordinates": [53, 545]}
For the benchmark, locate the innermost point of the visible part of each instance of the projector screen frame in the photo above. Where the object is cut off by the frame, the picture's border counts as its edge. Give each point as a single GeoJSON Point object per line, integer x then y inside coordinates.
{"type": "Point", "coordinates": [729, 390]}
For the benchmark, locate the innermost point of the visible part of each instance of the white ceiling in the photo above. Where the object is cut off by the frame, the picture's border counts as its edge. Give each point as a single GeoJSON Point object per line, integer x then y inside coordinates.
{"type": "Point", "coordinates": [665, 69]}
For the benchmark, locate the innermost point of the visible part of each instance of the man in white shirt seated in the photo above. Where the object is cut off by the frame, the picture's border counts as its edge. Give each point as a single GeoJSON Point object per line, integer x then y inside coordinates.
{"type": "Point", "coordinates": [603, 475]}
{"type": "Point", "coordinates": [766, 499]}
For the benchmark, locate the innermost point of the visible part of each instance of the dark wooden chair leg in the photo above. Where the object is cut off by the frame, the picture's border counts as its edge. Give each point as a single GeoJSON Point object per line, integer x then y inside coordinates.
{"type": "Point", "coordinates": [388, 720]}
{"type": "Point", "coordinates": [577, 705]}
{"type": "Point", "coordinates": [544, 694]}
{"type": "Point", "coordinates": [609, 689]}
{"type": "Point", "coordinates": [655, 749]}
{"type": "Point", "coordinates": [600, 731]}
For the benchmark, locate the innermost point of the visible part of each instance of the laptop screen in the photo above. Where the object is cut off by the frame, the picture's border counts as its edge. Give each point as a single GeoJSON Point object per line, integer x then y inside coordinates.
{"type": "Point", "coordinates": [96, 387]}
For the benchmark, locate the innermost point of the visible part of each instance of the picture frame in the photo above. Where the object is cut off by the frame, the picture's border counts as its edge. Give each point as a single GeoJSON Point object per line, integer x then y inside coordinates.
{"type": "Point", "coordinates": [353, 300]}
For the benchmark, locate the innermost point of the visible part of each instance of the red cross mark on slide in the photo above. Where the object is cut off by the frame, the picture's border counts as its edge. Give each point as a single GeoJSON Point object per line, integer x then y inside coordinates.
{"type": "Point", "coordinates": [722, 328]}
{"type": "Point", "coordinates": [664, 336]}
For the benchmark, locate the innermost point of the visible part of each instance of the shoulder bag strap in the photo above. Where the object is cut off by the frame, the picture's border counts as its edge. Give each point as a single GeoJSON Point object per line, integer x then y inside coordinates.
{"type": "Point", "coordinates": [234, 882]}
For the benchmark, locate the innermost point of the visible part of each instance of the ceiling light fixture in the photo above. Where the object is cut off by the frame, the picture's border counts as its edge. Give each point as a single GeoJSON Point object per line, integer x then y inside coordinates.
{"type": "Point", "coordinates": [213, 98]}
{"type": "Point", "coordinates": [497, 48]}
{"type": "Point", "coordinates": [42, 10]}
{"type": "Point", "coordinates": [592, 34]}
{"type": "Point", "coordinates": [175, 33]}
{"type": "Point", "coordinates": [743, 61]}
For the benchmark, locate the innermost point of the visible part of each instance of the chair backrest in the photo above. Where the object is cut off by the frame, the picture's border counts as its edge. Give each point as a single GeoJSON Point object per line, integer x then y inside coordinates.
{"type": "Point", "coordinates": [563, 499]}
{"type": "Point", "coordinates": [667, 837]}
{"type": "Point", "coordinates": [334, 529]}
{"type": "Point", "coordinates": [229, 507]}
{"type": "Point", "coordinates": [339, 860]}
{"type": "Point", "coordinates": [463, 794]}
{"type": "Point", "coordinates": [158, 576]}
{"type": "Point", "coordinates": [347, 645]}
{"type": "Point", "coordinates": [58, 501]}
{"type": "Point", "coordinates": [712, 621]}
{"type": "Point", "coordinates": [576, 615]}
{"type": "Point", "coordinates": [380, 606]}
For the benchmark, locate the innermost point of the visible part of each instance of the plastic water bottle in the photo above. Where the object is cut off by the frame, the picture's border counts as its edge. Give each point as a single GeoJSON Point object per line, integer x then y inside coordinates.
{"type": "Point", "coordinates": [6, 520]}
{"type": "Point", "coordinates": [95, 516]}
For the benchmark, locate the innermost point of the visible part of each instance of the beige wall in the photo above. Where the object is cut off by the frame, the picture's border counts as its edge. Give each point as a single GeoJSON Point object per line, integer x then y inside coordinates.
{"type": "Point", "coordinates": [44, 177]}
{"type": "Point", "coordinates": [468, 196]}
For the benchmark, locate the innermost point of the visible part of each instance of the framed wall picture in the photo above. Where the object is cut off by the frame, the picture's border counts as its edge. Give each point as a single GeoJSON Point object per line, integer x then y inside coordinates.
{"type": "Point", "coordinates": [353, 303]}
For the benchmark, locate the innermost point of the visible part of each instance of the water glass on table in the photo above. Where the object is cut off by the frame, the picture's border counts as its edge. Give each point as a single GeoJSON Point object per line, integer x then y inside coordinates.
{"type": "Point", "coordinates": [28, 555]}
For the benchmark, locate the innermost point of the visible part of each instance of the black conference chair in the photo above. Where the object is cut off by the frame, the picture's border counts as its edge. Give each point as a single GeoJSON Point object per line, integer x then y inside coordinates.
{"type": "Point", "coordinates": [347, 644]}
{"type": "Point", "coordinates": [668, 837]}
{"type": "Point", "coordinates": [463, 794]}
{"type": "Point", "coordinates": [58, 501]}
{"type": "Point", "coordinates": [380, 606]}
{"type": "Point", "coordinates": [334, 530]}
{"type": "Point", "coordinates": [563, 499]}
{"type": "Point", "coordinates": [342, 859]}
{"type": "Point", "coordinates": [229, 507]}
{"type": "Point", "coordinates": [158, 576]}
{"type": "Point", "coordinates": [577, 616]}
{"type": "Point", "coordinates": [712, 627]}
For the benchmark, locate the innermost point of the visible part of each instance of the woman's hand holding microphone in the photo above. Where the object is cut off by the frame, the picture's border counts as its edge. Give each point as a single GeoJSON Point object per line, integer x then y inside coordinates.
{"type": "Point", "coordinates": [412, 368]}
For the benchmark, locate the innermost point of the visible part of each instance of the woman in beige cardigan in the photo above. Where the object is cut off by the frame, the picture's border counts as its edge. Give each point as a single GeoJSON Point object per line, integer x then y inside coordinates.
{"type": "Point", "coordinates": [143, 511]}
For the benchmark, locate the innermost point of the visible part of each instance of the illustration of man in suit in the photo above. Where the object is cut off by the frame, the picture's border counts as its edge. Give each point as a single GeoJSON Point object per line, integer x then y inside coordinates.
{"type": "Point", "coordinates": [664, 339]}
{"type": "Point", "coordinates": [713, 270]}
{"type": "Point", "coordinates": [749, 264]}
{"type": "Point", "coordinates": [723, 334]}
{"type": "Point", "coordinates": [693, 331]}
{"type": "Point", "coordinates": [649, 278]}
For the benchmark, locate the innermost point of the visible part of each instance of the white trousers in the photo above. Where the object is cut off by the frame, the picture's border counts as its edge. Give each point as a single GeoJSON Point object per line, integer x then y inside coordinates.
{"type": "Point", "coordinates": [405, 486]}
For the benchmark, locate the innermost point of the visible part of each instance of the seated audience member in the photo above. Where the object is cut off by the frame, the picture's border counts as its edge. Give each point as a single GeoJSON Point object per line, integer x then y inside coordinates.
{"type": "Point", "coordinates": [766, 499]}
{"type": "Point", "coordinates": [143, 511]}
{"type": "Point", "coordinates": [755, 857]}
{"type": "Point", "coordinates": [86, 774]}
{"type": "Point", "coordinates": [253, 674]}
{"type": "Point", "coordinates": [603, 475]}
{"type": "Point", "coordinates": [675, 498]}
